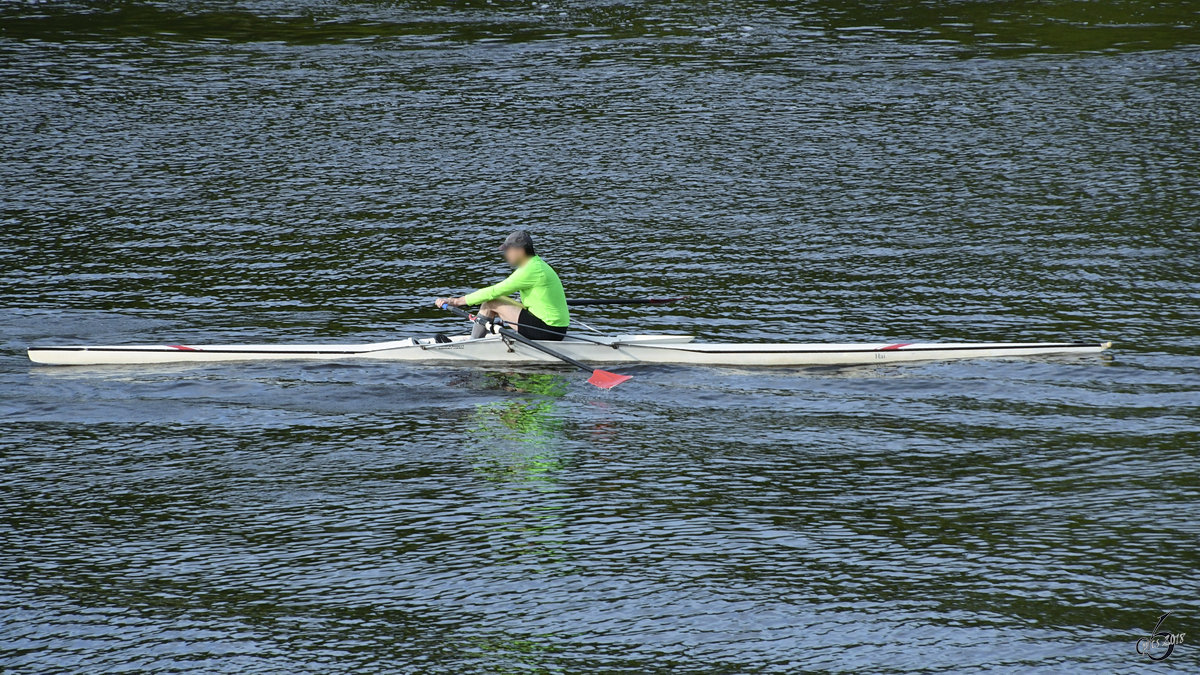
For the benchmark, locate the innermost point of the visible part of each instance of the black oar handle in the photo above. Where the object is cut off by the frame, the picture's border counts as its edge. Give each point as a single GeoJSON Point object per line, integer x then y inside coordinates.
{"type": "Point", "coordinates": [514, 335]}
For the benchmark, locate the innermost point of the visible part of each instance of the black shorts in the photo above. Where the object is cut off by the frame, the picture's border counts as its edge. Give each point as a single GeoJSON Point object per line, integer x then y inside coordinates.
{"type": "Point", "coordinates": [536, 329]}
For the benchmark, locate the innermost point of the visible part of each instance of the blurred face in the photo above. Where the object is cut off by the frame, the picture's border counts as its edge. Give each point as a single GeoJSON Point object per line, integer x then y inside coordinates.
{"type": "Point", "coordinates": [514, 255]}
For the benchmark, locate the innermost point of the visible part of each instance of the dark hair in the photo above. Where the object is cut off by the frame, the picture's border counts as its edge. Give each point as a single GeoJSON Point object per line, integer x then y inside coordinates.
{"type": "Point", "coordinates": [529, 250]}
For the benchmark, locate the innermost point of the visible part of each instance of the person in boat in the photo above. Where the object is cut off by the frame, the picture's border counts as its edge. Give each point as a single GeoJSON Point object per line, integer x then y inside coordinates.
{"type": "Point", "coordinates": [542, 311]}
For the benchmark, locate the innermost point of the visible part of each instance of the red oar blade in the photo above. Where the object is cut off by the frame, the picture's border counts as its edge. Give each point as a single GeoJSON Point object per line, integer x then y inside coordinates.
{"type": "Point", "coordinates": [607, 380]}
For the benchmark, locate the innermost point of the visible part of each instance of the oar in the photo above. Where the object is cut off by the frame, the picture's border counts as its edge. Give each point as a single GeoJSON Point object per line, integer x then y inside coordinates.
{"type": "Point", "coordinates": [599, 378]}
{"type": "Point", "coordinates": [623, 301]}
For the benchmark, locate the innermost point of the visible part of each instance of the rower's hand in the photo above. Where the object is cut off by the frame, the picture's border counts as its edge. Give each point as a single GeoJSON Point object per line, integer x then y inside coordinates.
{"type": "Point", "coordinates": [456, 302]}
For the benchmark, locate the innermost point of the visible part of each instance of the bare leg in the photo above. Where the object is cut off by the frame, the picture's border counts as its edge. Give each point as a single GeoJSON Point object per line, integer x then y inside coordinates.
{"type": "Point", "coordinates": [505, 308]}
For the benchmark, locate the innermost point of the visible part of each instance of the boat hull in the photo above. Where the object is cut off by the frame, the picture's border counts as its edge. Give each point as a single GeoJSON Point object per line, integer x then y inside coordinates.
{"type": "Point", "coordinates": [653, 349]}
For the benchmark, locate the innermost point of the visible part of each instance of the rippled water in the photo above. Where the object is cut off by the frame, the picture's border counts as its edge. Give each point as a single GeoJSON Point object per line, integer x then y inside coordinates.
{"type": "Point", "coordinates": [814, 171]}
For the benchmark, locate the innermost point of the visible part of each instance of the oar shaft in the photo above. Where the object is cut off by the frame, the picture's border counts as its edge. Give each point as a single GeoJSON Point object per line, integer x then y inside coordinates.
{"type": "Point", "coordinates": [514, 335]}
{"type": "Point", "coordinates": [600, 378]}
{"type": "Point", "coordinates": [558, 355]}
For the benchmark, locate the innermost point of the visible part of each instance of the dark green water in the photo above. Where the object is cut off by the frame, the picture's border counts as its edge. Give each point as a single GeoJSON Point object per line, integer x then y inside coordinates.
{"type": "Point", "coordinates": [816, 171]}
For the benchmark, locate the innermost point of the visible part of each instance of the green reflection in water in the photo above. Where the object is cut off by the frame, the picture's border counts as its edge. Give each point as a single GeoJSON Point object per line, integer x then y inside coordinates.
{"type": "Point", "coordinates": [518, 439]}
{"type": "Point", "coordinates": [513, 654]}
{"type": "Point", "coordinates": [517, 442]}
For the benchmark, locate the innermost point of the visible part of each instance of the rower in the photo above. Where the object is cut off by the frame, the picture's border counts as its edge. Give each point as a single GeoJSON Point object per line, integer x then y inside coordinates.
{"type": "Point", "coordinates": [541, 313]}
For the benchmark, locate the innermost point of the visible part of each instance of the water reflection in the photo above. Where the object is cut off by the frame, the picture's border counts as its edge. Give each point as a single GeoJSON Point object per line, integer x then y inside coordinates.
{"type": "Point", "coordinates": [517, 443]}
{"type": "Point", "coordinates": [176, 172]}
{"type": "Point", "coordinates": [518, 439]}
{"type": "Point", "coordinates": [964, 29]}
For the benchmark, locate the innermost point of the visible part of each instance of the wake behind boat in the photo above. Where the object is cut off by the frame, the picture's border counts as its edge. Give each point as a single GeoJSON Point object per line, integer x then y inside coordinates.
{"type": "Point", "coordinates": [614, 350]}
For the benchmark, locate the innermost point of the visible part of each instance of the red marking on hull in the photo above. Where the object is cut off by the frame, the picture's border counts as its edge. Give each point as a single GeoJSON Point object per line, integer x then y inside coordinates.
{"type": "Point", "coordinates": [892, 348]}
{"type": "Point", "coordinates": [183, 348]}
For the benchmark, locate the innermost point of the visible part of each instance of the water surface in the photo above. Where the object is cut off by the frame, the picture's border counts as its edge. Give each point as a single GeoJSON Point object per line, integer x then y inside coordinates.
{"type": "Point", "coordinates": [815, 171]}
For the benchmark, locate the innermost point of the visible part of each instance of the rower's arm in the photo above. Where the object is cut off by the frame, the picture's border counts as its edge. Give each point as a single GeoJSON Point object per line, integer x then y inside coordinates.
{"type": "Point", "coordinates": [516, 281]}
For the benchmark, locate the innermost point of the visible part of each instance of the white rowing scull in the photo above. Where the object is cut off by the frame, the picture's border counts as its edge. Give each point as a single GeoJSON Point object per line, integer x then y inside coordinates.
{"type": "Point", "coordinates": [625, 349]}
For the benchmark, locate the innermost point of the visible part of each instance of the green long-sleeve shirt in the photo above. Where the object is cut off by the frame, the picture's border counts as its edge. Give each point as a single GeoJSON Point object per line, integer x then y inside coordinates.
{"type": "Point", "coordinates": [540, 288]}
